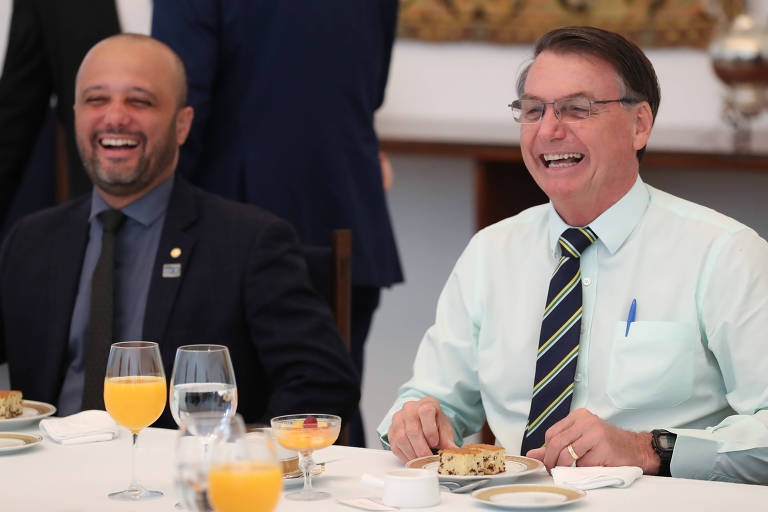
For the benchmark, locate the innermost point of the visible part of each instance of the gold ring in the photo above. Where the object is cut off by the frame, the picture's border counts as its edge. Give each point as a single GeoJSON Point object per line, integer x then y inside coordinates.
{"type": "Point", "coordinates": [573, 453]}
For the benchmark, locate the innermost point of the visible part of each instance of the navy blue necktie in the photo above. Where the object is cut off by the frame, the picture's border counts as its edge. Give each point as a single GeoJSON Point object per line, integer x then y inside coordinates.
{"type": "Point", "coordinates": [558, 341]}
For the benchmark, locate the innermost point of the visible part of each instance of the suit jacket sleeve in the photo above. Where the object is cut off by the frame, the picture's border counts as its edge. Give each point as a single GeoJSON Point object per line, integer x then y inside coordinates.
{"type": "Point", "coordinates": [25, 89]}
{"type": "Point", "coordinates": [191, 29]}
{"type": "Point", "coordinates": [292, 328]}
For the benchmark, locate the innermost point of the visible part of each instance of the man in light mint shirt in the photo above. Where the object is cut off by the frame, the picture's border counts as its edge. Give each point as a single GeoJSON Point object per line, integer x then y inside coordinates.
{"type": "Point", "coordinates": [678, 387]}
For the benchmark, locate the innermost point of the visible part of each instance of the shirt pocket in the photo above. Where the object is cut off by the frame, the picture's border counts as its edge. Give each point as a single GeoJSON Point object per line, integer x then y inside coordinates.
{"type": "Point", "coordinates": [653, 366]}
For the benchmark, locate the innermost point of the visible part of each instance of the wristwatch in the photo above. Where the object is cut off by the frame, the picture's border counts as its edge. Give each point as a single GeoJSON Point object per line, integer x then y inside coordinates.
{"type": "Point", "coordinates": [663, 443]}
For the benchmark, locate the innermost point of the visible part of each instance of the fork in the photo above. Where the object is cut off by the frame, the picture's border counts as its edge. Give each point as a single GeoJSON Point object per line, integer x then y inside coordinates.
{"type": "Point", "coordinates": [463, 488]}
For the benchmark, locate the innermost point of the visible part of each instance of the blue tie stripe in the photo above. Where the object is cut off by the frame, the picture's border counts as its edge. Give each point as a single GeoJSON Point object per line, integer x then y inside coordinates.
{"type": "Point", "coordinates": [559, 340]}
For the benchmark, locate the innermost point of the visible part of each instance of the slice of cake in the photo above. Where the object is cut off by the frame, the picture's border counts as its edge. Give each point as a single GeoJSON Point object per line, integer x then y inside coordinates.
{"type": "Point", "coordinates": [460, 462]}
{"type": "Point", "coordinates": [493, 458]}
{"type": "Point", "coordinates": [10, 404]}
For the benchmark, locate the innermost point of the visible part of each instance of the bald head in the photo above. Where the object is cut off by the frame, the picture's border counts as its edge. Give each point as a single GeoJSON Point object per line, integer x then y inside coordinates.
{"type": "Point", "coordinates": [121, 42]}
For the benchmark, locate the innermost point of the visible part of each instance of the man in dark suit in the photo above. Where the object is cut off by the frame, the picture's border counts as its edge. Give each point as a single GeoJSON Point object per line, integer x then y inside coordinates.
{"type": "Point", "coordinates": [190, 267]}
{"type": "Point", "coordinates": [284, 95]}
{"type": "Point", "coordinates": [46, 43]}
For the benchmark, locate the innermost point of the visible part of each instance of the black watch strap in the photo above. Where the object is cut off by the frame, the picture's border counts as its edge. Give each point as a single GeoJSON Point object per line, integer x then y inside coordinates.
{"type": "Point", "coordinates": [663, 443]}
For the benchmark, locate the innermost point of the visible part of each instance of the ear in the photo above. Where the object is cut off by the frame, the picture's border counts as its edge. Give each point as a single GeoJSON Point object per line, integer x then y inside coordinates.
{"type": "Point", "coordinates": [643, 124]}
{"type": "Point", "coordinates": [183, 123]}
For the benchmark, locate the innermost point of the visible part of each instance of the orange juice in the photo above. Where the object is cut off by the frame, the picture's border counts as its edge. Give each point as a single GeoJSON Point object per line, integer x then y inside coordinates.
{"type": "Point", "coordinates": [244, 486]}
{"type": "Point", "coordinates": [135, 402]}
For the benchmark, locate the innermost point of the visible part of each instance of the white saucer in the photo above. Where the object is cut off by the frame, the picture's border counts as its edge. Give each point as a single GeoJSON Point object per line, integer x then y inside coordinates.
{"type": "Point", "coordinates": [528, 496]}
{"type": "Point", "coordinates": [13, 442]}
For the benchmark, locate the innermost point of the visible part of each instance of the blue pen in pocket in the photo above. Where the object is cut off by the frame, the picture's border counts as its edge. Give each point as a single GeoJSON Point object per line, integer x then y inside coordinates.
{"type": "Point", "coordinates": [631, 315]}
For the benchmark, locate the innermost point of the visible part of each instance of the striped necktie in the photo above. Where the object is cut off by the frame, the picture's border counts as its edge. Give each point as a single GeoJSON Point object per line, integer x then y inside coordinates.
{"type": "Point", "coordinates": [559, 340]}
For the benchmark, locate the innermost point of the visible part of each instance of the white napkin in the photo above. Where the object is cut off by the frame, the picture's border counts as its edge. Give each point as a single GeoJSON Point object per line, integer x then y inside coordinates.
{"type": "Point", "coordinates": [365, 504]}
{"type": "Point", "coordinates": [83, 427]}
{"type": "Point", "coordinates": [586, 478]}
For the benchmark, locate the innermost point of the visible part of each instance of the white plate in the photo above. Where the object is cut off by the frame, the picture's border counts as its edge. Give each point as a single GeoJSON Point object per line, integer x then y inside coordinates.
{"type": "Point", "coordinates": [13, 442]}
{"type": "Point", "coordinates": [297, 477]}
{"type": "Point", "coordinates": [32, 411]}
{"type": "Point", "coordinates": [515, 466]}
{"type": "Point", "coordinates": [528, 496]}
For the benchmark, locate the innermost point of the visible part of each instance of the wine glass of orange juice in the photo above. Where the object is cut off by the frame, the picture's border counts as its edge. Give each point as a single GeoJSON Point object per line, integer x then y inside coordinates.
{"type": "Point", "coordinates": [135, 395]}
{"type": "Point", "coordinates": [306, 433]}
{"type": "Point", "coordinates": [244, 475]}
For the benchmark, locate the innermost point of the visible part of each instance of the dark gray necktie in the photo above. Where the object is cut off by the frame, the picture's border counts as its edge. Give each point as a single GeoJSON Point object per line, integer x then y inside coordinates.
{"type": "Point", "coordinates": [101, 319]}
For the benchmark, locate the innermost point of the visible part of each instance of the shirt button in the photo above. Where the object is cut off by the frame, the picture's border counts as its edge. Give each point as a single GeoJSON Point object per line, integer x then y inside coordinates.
{"type": "Point", "coordinates": [582, 328]}
{"type": "Point", "coordinates": [577, 377]}
{"type": "Point", "coordinates": [586, 281]}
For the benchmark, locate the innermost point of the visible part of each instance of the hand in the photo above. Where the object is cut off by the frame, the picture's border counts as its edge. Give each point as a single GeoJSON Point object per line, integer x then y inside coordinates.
{"type": "Point", "coordinates": [387, 173]}
{"type": "Point", "coordinates": [596, 443]}
{"type": "Point", "coordinates": [418, 427]}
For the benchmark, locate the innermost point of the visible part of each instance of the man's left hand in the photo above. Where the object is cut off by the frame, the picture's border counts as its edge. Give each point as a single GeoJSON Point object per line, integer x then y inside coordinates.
{"type": "Point", "coordinates": [596, 443]}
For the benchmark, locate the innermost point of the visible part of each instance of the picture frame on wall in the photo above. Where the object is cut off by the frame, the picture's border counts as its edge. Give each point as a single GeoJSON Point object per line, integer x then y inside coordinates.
{"type": "Point", "coordinates": [647, 22]}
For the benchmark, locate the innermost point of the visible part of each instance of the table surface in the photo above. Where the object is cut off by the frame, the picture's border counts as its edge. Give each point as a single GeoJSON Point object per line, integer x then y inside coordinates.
{"type": "Point", "coordinates": [59, 478]}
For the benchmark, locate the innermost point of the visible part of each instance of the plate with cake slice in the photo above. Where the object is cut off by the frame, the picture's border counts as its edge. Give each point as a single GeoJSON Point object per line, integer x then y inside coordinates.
{"type": "Point", "coordinates": [475, 461]}
{"type": "Point", "coordinates": [15, 412]}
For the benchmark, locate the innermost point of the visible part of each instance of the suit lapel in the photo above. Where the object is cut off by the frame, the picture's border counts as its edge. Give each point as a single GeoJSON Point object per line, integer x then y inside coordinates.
{"type": "Point", "coordinates": [173, 253]}
{"type": "Point", "coordinates": [68, 244]}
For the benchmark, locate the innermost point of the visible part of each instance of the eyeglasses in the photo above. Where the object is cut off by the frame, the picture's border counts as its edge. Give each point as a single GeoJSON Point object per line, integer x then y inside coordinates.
{"type": "Point", "coordinates": [567, 110]}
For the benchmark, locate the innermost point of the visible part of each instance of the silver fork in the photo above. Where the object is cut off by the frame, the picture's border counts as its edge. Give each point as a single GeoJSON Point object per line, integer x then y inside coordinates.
{"type": "Point", "coordinates": [456, 487]}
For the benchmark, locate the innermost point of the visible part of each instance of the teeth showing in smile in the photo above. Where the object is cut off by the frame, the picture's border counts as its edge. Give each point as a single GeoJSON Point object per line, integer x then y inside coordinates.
{"type": "Point", "coordinates": [118, 143]}
{"type": "Point", "coordinates": [562, 159]}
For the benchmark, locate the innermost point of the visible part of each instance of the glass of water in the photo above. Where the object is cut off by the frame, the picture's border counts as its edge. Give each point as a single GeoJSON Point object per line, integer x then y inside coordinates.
{"type": "Point", "coordinates": [202, 381]}
{"type": "Point", "coordinates": [198, 431]}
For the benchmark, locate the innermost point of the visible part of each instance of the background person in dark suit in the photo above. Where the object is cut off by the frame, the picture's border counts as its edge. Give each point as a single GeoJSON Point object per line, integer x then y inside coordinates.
{"type": "Point", "coordinates": [284, 95]}
{"type": "Point", "coordinates": [47, 41]}
{"type": "Point", "coordinates": [241, 280]}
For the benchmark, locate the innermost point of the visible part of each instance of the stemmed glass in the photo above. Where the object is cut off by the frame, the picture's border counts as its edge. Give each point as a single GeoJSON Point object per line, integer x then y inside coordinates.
{"type": "Point", "coordinates": [197, 431]}
{"type": "Point", "coordinates": [245, 475]}
{"type": "Point", "coordinates": [306, 433]}
{"type": "Point", "coordinates": [134, 395]}
{"type": "Point", "coordinates": [203, 396]}
{"type": "Point", "coordinates": [202, 381]}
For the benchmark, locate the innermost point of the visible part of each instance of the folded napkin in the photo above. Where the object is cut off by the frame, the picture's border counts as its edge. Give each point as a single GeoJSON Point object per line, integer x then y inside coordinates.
{"type": "Point", "coordinates": [83, 427]}
{"type": "Point", "coordinates": [596, 476]}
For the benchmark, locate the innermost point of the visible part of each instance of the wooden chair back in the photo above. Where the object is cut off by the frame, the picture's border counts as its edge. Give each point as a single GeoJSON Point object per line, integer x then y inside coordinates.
{"type": "Point", "coordinates": [331, 274]}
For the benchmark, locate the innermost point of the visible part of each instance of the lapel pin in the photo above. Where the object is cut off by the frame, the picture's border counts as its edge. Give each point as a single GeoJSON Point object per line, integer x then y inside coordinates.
{"type": "Point", "coordinates": [171, 270]}
{"type": "Point", "coordinates": [175, 252]}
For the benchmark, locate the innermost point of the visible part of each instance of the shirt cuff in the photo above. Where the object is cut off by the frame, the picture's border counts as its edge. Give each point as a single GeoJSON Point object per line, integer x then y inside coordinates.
{"type": "Point", "coordinates": [693, 457]}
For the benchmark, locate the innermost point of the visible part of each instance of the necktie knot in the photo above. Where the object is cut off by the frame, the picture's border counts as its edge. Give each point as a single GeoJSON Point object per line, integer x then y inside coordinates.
{"type": "Point", "coordinates": [111, 220]}
{"type": "Point", "coordinates": [574, 241]}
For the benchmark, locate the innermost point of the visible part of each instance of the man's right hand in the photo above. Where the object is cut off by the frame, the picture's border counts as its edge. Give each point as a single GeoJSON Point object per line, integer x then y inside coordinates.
{"type": "Point", "coordinates": [418, 427]}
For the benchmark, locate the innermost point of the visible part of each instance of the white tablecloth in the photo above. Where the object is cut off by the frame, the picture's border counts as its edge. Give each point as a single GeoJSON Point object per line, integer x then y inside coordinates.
{"type": "Point", "coordinates": [51, 477]}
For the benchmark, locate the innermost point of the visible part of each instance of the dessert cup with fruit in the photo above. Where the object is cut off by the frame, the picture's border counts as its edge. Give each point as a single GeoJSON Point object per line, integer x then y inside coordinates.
{"type": "Point", "coordinates": [306, 433]}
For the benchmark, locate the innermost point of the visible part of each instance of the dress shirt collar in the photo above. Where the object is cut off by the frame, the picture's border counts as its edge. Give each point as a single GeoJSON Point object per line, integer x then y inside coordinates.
{"type": "Point", "coordinates": [144, 210]}
{"type": "Point", "coordinates": [613, 226]}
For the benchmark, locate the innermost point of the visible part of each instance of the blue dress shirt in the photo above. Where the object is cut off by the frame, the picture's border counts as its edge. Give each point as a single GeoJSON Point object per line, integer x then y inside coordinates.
{"type": "Point", "coordinates": [135, 252]}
